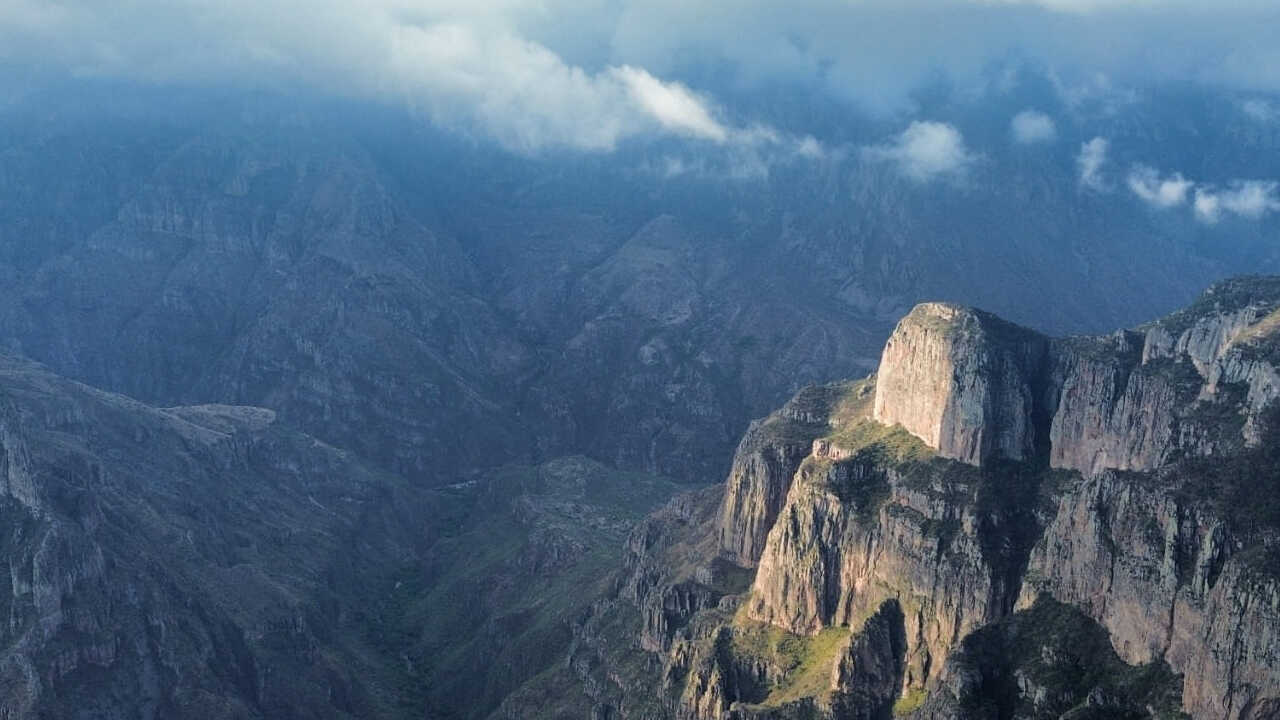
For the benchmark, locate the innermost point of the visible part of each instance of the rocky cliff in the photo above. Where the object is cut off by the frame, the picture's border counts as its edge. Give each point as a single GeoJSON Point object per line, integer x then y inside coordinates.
{"type": "Point", "coordinates": [974, 387]}
{"type": "Point", "coordinates": [962, 381]}
{"type": "Point", "coordinates": [1047, 526]}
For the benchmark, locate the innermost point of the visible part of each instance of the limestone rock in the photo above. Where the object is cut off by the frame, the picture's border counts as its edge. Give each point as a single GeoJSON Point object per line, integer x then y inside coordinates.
{"type": "Point", "coordinates": [763, 466]}
{"type": "Point", "coordinates": [1160, 575]}
{"type": "Point", "coordinates": [963, 381]}
{"type": "Point", "coordinates": [976, 388]}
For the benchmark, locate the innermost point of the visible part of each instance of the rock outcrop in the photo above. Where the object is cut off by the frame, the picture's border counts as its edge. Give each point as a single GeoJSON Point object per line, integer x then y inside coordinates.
{"type": "Point", "coordinates": [963, 381]}
{"type": "Point", "coordinates": [766, 461]}
{"type": "Point", "coordinates": [976, 388]}
{"type": "Point", "coordinates": [1166, 580]}
{"type": "Point", "coordinates": [995, 520]}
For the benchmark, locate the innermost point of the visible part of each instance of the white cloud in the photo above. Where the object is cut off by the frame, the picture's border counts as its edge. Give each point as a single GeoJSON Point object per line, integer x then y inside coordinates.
{"type": "Point", "coordinates": [926, 150]}
{"type": "Point", "coordinates": [1090, 161]}
{"type": "Point", "coordinates": [1207, 205]}
{"type": "Point", "coordinates": [1260, 110]}
{"type": "Point", "coordinates": [1162, 192]}
{"type": "Point", "coordinates": [549, 63]}
{"type": "Point", "coordinates": [671, 104]}
{"type": "Point", "coordinates": [529, 99]}
{"type": "Point", "coordinates": [809, 147]}
{"type": "Point", "coordinates": [1032, 126]}
{"type": "Point", "coordinates": [471, 66]}
{"type": "Point", "coordinates": [1247, 198]}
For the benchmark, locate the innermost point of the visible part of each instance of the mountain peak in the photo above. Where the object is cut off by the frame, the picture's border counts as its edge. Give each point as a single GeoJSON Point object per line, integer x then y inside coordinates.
{"type": "Point", "coordinates": [975, 387]}
{"type": "Point", "coordinates": [962, 381]}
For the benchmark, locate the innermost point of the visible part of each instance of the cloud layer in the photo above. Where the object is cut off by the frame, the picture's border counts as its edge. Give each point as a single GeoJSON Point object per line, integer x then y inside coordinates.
{"type": "Point", "coordinates": [1247, 198]}
{"type": "Point", "coordinates": [588, 74]}
{"type": "Point", "coordinates": [1162, 192]}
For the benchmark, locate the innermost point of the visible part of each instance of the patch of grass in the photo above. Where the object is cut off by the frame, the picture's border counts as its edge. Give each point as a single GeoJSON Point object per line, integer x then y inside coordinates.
{"type": "Point", "coordinates": [812, 674]}
{"type": "Point", "coordinates": [803, 664]}
{"type": "Point", "coordinates": [855, 402]}
{"type": "Point", "coordinates": [910, 701]}
{"type": "Point", "coordinates": [888, 443]}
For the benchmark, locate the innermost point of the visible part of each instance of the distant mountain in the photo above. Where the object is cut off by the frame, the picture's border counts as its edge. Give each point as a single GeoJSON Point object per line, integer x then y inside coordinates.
{"type": "Point", "coordinates": [211, 562]}
{"type": "Point", "coordinates": [439, 307]}
{"type": "Point", "coordinates": [308, 409]}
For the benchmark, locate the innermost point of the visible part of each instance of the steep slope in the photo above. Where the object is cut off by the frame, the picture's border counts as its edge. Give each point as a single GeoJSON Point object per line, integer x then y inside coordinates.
{"type": "Point", "coordinates": [212, 562]}
{"type": "Point", "coordinates": [185, 562]}
{"type": "Point", "coordinates": [1040, 510]}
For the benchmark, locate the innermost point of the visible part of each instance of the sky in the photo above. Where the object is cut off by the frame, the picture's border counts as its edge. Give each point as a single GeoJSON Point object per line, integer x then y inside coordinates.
{"type": "Point", "coordinates": [588, 76]}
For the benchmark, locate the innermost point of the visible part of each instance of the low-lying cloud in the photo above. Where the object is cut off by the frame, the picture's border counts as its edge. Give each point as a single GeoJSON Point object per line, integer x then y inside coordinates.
{"type": "Point", "coordinates": [1260, 110]}
{"type": "Point", "coordinates": [1032, 126]}
{"type": "Point", "coordinates": [529, 99]}
{"type": "Point", "coordinates": [1160, 192]}
{"type": "Point", "coordinates": [1247, 198]}
{"type": "Point", "coordinates": [587, 74]}
{"type": "Point", "coordinates": [1090, 161]}
{"type": "Point", "coordinates": [926, 150]}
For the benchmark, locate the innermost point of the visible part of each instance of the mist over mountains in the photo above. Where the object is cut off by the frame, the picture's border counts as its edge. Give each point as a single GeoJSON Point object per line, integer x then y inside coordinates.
{"type": "Point", "coordinates": [379, 281]}
{"type": "Point", "coordinates": [390, 360]}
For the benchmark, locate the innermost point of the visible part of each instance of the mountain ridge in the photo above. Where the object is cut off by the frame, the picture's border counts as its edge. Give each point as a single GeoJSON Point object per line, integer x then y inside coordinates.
{"type": "Point", "coordinates": [871, 522]}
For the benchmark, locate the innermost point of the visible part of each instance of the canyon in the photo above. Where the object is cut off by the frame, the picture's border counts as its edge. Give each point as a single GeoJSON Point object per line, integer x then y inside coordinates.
{"type": "Point", "coordinates": [945, 538]}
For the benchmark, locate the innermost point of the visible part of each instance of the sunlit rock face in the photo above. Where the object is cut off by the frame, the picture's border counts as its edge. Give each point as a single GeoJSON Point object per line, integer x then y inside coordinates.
{"type": "Point", "coordinates": [963, 381]}
{"type": "Point", "coordinates": [975, 388]}
{"type": "Point", "coordinates": [988, 517]}
{"type": "Point", "coordinates": [763, 466]}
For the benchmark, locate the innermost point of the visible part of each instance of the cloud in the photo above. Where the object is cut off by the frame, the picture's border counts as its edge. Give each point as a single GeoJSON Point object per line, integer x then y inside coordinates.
{"type": "Point", "coordinates": [1032, 126]}
{"type": "Point", "coordinates": [528, 98]}
{"type": "Point", "coordinates": [1250, 199]}
{"type": "Point", "coordinates": [589, 74]}
{"type": "Point", "coordinates": [926, 150]}
{"type": "Point", "coordinates": [671, 104]}
{"type": "Point", "coordinates": [1260, 110]}
{"type": "Point", "coordinates": [466, 66]}
{"type": "Point", "coordinates": [1167, 192]}
{"type": "Point", "coordinates": [1090, 161]}
{"type": "Point", "coordinates": [1247, 198]}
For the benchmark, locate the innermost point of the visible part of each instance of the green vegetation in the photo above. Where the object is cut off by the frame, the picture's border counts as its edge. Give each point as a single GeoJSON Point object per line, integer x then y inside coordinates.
{"type": "Point", "coordinates": [1242, 487]}
{"type": "Point", "coordinates": [1226, 296]}
{"type": "Point", "coordinates": [890, 444]}
{"type": "Point", "coordinates": [910, 701]}
{"type": "Point", "coordinates": [1066, 657]}
{"type": "Point", "coordinates": [1262, 343]}
{"type": "Point", "coordinates": [854, 402]}
{"type": "Point", "coordinates": [803, 663]}
{"type": "Point", "coordinates": [519, 555]}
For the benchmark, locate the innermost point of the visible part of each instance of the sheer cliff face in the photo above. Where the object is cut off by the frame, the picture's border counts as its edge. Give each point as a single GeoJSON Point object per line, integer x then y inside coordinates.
{"type": "Point", "coordinates": [976, 388]}
{"type": "Point", "coordinates": [963, 382]}
{"type": "Point", "coordinates": [763, 468]}
{"type": "Point", "coordinates": [1034, 501]}
{"type": "Point", "coordinates": [1162, 576]}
